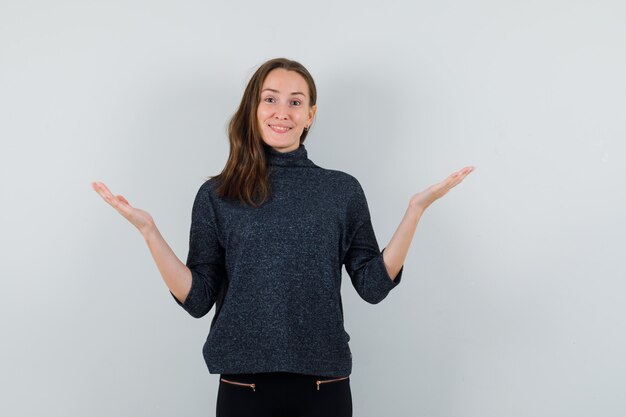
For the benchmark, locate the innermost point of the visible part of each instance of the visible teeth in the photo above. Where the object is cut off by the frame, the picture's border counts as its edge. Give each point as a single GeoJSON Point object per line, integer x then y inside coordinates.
{"type": "Point", "coordinates": [280, 128]}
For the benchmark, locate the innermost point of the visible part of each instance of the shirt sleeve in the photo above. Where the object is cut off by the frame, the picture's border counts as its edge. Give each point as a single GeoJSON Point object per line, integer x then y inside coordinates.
{"type": "Point", "coordinates": [205, 258]}
{"type": "Point", "coordinates": [363, 259]}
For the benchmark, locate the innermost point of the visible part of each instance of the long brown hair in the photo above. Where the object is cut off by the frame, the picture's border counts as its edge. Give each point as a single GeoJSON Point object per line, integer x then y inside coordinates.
{"type": "Point", "coordinates": [245, 175]}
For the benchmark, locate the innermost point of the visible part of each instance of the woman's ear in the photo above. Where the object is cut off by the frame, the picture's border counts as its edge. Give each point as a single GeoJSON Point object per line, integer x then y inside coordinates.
{"type": "Point", "coordinates": [312, 111]}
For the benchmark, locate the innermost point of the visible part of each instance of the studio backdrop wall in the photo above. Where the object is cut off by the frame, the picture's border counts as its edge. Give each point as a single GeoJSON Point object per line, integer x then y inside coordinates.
{"type": "Point", "coordinates": [511, 301]}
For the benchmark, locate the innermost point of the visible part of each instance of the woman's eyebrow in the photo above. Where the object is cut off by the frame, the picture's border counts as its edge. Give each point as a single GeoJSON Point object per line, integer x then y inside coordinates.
{"type": "Point", "coordinates": [276, 91]}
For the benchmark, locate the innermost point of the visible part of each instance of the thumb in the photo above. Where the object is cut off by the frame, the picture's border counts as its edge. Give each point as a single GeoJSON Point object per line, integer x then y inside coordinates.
{"type": "Point", "coordinates": [122, 199]}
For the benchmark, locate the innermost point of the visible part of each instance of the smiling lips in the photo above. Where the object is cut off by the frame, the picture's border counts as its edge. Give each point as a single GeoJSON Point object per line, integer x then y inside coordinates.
{"type": "Point", "coordinates": [279, 129]}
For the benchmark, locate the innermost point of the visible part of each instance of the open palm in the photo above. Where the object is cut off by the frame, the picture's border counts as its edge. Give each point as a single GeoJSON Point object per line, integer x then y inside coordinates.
{"type": "Point", "coordinates": [141, 219]}
{"type": "Point", "coordinates": [425, 198]}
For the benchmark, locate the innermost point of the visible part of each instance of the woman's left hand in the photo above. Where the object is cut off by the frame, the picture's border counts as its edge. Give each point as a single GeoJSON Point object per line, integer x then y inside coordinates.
{"type": "Point", "coordinates": [422, 200]}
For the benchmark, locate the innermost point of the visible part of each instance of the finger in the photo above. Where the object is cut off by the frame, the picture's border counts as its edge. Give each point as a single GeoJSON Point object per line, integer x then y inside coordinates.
{"type": "Point", "coordinates": [122, 199]}
{"type": "Point", "coordinates": [464, 171]}
{"type": "Point", "coordinates": [104, 188]}
{"type": "Point", "coordinates": [118, 202]}
{"type": "Point", "coordinates": [108, 196]}
{"type": "Point", "coordinates": [124, 209]}
{"type": "Point", "coordinates": [453, 180]}
{"type": "Point", "coordinates": [97, 186]}
{"type": "Point", "coordinates": [105, 194]}
{"type": "Point", "coordinates": [467, 170]}
{"type": "Point", "coordinates": [459, 177]}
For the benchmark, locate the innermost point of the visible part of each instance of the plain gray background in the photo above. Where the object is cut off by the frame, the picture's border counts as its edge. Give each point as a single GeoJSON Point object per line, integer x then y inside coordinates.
{"type": "Point", "coordinates": [512, 300]}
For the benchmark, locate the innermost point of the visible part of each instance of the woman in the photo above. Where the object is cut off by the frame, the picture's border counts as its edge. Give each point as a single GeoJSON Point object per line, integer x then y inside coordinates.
{"type": "Point", "coordinates": [268, 238]}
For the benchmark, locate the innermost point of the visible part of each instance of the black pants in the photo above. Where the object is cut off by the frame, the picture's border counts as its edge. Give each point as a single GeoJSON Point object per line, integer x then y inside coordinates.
{"type": "Point", "coordinates": [283, 394]}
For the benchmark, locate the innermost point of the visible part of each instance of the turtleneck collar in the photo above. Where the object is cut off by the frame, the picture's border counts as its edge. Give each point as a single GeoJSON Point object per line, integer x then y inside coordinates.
{"type": "Point", "coordinates": [297, 157]}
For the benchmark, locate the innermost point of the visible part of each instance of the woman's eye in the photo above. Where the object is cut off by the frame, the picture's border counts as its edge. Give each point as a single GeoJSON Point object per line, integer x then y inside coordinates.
{"type": "Point", "coordinates": [272, 99]}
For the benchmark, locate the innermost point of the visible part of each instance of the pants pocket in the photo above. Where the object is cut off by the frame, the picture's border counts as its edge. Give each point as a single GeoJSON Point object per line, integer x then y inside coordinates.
{"type": "Point", "coordinates": [320, 382]}
{"type": "Point", "coordinates": [241, 384]}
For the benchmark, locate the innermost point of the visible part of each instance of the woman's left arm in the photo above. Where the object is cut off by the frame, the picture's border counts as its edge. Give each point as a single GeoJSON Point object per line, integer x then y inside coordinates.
{"type": "Point", "coordinates": [395, 252]}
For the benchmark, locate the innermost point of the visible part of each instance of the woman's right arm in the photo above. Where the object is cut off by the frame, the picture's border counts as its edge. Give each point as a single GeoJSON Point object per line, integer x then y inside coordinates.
{"type": "Point", "coordinates": [177, 275]}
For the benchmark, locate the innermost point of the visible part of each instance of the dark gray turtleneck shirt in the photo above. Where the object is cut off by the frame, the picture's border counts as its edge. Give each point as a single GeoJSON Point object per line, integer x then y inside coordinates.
{"type": "Point", "coordinates": [274, 272]}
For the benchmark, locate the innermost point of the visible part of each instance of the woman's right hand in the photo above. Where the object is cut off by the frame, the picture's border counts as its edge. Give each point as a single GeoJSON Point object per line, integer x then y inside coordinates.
{"type": "Point", "coordinates": [142, 220]}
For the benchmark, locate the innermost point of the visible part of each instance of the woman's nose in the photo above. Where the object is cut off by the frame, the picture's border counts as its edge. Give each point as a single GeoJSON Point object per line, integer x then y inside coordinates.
{"type": "Point", "coordinates": [282, 111]}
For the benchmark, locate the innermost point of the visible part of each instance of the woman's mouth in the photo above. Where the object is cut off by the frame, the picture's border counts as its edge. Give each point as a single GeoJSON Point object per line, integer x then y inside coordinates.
{"type": "Point", "coordinates": [279, 129]}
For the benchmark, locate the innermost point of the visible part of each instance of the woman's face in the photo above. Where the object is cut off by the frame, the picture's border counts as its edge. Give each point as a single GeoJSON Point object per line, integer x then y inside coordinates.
{"type": "Point", "coordinates": [284, 110]}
